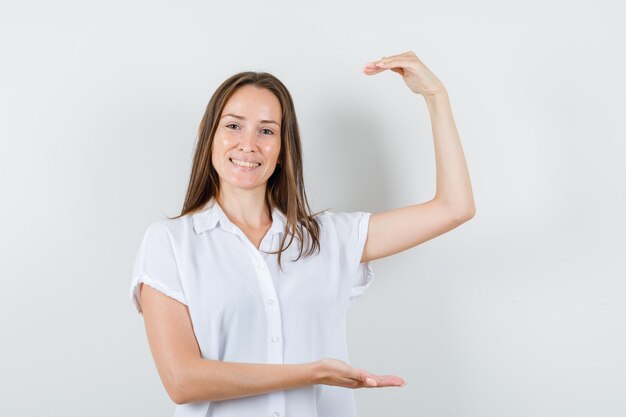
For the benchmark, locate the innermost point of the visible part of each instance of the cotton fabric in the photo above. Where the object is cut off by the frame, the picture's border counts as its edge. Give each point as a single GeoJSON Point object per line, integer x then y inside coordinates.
{"type": "Point", "coordinates": [244, 309]}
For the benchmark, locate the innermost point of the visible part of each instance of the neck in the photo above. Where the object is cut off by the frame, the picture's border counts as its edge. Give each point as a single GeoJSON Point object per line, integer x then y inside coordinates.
{"type": "Point", "coordinates": [245, 208]}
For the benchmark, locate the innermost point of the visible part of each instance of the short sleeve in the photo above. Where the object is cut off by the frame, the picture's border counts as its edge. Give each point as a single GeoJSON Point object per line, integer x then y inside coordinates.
{"type": "Point", "coordinates": [351, 228]}
{"type": "Point", "coordinates": [156, 265]}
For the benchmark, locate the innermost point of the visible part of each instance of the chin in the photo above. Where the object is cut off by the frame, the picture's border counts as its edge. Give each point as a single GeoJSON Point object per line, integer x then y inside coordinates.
{"type": "Point", "coordinates": [248, 185]}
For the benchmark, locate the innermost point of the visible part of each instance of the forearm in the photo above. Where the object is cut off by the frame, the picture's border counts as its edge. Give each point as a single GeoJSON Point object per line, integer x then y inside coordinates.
{"type": "Point", "coordinates": [453, 182]}
{"type": "Point", "coordinates": [218, 380]}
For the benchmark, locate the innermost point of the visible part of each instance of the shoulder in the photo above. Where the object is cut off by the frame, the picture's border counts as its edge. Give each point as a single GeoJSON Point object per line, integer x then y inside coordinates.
{"type": "Point", "coordinates": [177, 228]}
{"type": "Point", "coordinates": [338, 217]}
{"type": "Point", "coordinates": [343, 222]}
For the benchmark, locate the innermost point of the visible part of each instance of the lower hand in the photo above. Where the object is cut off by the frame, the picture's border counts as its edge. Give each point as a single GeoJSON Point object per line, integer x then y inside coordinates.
{"type": "Point", "coordinates": [338, 373]}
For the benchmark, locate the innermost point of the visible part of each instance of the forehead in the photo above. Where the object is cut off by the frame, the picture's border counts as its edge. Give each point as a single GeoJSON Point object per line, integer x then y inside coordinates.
{"type": "Point", "coordinates": [254, 102]}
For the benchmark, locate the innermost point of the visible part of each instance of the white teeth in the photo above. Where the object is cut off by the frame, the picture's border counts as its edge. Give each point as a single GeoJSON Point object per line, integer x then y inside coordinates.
{"type": "Point", "coordinates": [244, 164]}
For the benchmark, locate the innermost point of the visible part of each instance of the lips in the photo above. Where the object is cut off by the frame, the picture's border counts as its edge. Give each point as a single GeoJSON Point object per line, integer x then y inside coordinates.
{"type": "Point", "coordinates": [243, 167]}
{"type": "Point", "coordinates": [245, 160]}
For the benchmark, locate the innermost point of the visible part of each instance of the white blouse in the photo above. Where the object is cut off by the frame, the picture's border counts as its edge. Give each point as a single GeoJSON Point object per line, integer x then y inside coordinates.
{"type": "Point", "coordinates": [244, 309]}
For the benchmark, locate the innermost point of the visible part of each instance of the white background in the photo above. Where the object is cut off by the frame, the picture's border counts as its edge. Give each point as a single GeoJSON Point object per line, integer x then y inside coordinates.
{"type": "Point", "coordinates": [518, 312]}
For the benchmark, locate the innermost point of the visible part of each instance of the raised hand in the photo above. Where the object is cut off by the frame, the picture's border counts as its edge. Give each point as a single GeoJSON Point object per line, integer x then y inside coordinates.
{"type": "Point", "coordinates": [339, 373]}
{"type": "Point", "coordinates": [415, 74]}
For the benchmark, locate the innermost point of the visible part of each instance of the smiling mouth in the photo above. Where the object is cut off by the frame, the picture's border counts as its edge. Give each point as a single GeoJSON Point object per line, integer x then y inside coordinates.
{"type": "Point", "coordinates": [243, 164]}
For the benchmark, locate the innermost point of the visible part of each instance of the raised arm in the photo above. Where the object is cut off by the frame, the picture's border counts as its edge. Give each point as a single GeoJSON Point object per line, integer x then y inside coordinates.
{"type": "Point", "coordinates": [188, 377]}
{"type": "Point", "coordinates": [399, 229]}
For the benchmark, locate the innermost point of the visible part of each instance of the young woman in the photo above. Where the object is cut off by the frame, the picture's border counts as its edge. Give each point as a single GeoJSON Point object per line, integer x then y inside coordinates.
{"type": "Point", "coordinates": [247, 290]}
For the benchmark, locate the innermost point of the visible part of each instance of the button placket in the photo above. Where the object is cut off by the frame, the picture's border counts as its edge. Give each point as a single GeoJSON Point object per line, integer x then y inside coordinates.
{"type": "Point", "coordinates": [268, 292]}
{"type": "Point", "coordinates": [277, 403]}
{"type": "Point", "coordinates": [274, 320]}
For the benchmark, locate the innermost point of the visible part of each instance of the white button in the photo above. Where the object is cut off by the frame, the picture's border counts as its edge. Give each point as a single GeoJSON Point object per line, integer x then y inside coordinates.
{"type": "Point", "coordinates": [261, 267]}
{"type": "Point", "coordinates": [275, 339]}
{"type": "Point", "coordinates": [276, 414]}
{"type": "Point", "coordinates": [270, 302]}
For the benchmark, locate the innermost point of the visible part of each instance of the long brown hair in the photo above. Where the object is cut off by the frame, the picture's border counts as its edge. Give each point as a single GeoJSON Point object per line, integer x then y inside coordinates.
{"type": "Point", "coordinates": [285, 187]}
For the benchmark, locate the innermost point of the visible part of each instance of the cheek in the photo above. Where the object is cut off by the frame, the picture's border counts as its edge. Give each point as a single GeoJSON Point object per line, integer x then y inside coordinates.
{"type": "Point", "coordinates": [220, 144]}
{"type": "Point", "coordinates": [223, 135]}
{"type": "Point", "coordinates": [218, 153]}
{"type": "Point", "coordinates": [223, 141]}
{"type": "Point", "coordinates": [272, 149]}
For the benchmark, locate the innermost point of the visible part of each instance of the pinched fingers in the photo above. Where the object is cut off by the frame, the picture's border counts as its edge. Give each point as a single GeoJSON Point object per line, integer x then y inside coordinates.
{"type": "Point", "coordinates": [340, 373]}
{"type": "Point", "coordinates": [417, 76]}
{"type": "Point", "coordinates": [379, 381]}
{"type": "Point", "coordinates": [365, 378]}
{"type": "Point", "coordinates": [390, 381]}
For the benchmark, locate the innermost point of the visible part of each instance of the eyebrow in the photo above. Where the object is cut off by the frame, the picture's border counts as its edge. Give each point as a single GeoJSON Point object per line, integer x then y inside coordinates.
{"type": "Point", "coordinates": [243, 118]}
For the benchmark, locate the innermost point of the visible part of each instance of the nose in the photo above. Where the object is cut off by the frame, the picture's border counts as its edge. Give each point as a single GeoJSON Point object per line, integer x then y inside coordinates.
{"type": "Point", "coordinates": [247, 142]}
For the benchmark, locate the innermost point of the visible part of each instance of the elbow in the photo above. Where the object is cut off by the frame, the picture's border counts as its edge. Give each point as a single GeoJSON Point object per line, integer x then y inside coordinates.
{"type": "Point", "coordinates": [471, 212]}
{"type": "Point", "coordinates": [177, 396]}
{"type": "Point", "coordinates": [460, 212]}
{"type": "Point", "coordinates": [185, 388]}
{"type": "Point", "coordinates": [176, 393]}
{"type": "Point", "coordinates": [465, 214]}
{"type": "Point", "coordinates": [177, 387]}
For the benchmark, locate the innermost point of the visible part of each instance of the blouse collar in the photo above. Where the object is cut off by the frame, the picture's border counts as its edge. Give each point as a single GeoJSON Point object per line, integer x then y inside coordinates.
{"type": "Point", "coordinates": [212, 215]}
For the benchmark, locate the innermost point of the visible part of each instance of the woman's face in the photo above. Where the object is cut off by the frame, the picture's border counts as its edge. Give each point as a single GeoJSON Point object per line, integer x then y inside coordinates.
{"type": "Point", "coordinates": [248, 131]}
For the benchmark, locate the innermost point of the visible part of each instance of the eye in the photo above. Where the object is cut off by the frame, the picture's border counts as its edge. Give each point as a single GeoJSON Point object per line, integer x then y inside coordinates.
{"type": "Point", "coordinates": [271, 133]}
{"type": "Point", "coordinates": [232, 124]}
